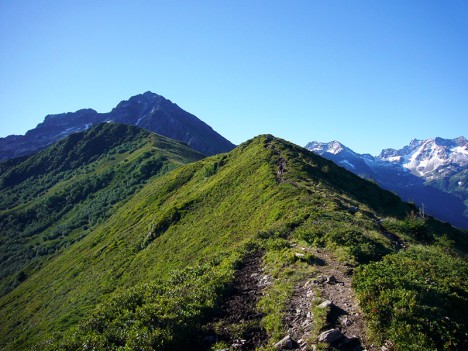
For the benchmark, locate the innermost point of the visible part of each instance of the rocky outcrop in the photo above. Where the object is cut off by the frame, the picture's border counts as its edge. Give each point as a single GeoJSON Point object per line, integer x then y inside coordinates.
{"type": "Point", "coordinates": [330, 336]}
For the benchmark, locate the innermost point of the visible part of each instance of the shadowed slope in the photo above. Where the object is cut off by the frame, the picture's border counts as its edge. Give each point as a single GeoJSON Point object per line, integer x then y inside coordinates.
{"type": "Point", "coordinates": [56, 197]}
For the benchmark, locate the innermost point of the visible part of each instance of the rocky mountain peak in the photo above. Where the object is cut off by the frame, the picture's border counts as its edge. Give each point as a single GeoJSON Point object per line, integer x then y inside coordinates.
{"type": "Point", "coordinates": [415, 142]}
{"type": "Point", "coordinates": [81, 112]}
{"type": "Point", "coordinates": [424, 157]}
{"type": "Point", "coordinates": [148, 111]}
{"type": "Point", "coordinates": [138, 104]}
{"type": "Point", "coordinates": [461, 141]}
{"type": "Point", "coordinates": [145, 98]}
{"type": "Point", "coordinates": [332, 147]}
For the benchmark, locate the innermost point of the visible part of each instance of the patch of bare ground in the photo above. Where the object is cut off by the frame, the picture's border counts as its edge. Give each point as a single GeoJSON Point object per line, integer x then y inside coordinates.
{"type": "Point", "coordinates": [397, 242]}
{"type": "Point", "coordinates": [330, 289]}
{"type": "Point", "coordinates": [238, 324]}
{"type": "Point", "coordinates": [345, 314]}
{"type": "Point", "coordinates": [298, 317]}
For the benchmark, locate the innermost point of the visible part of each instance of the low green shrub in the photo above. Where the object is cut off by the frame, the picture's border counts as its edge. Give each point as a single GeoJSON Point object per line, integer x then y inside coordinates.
{"type": "Point", "coordinates": [417, 298]}
{"type": "Point", "coordinates": [162, 315]}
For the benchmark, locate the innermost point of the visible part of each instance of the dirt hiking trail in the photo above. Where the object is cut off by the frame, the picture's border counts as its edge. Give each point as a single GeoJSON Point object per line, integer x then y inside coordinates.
{"type": "Point", "coordinates": [331, 289]}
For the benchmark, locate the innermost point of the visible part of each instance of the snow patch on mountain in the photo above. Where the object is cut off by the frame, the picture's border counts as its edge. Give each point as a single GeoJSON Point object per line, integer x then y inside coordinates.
{"type": "Point", "coordinates": [336, 147]}
{"type": "Point", "coordinates": [348, 163]}
{"type": "Point", "coordinates": [461, 150]}
{"type": "Point", "coordinates": [424, 157]}
{"type": "Point", "coordinates": [333, 147]}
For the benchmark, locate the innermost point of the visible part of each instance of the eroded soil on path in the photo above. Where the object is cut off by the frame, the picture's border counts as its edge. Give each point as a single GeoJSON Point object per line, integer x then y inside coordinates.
{"type": "Point", "coordinates": [239, 322]}
{"type": "Point", "coordinates": [333, 283]}
{"type": "Point", "coordinates": [238, 326]}
{"type": "Point", "coordinates": [345, 313]}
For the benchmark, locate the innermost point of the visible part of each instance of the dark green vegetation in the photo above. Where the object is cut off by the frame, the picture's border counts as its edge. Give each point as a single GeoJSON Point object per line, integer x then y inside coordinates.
{"type": "Point", "coordinates": [56, 197]}
{"type": "Point", "coordinates": [418, 298]}
{"type": "Point", "coordinates": [153, 275]}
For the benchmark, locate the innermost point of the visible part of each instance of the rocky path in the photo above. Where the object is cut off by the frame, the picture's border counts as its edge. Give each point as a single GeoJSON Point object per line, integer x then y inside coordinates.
{"type": "Point", "coordinates": [330, 289]}
{"type": "Point", "coordinates": [334, 281]}
{"type": "Point", "coordinates": [298, 317]}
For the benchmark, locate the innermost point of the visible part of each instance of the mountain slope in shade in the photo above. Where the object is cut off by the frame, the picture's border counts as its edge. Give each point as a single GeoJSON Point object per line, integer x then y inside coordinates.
{"type": "Point", "coordinates": [431, 173]}
{"type": "Point", "coordinates": [149, 111]}
{"type": "Point", "coordinates": [55, 198]}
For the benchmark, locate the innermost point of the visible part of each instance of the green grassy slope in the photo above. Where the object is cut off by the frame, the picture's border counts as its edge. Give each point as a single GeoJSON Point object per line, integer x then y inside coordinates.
{"type": "Point", "coordinates": [417, 298]}
{"type": "Point", "coordinates": [153, 274]}
{"type": "Point", "coordinates": [56, 197]}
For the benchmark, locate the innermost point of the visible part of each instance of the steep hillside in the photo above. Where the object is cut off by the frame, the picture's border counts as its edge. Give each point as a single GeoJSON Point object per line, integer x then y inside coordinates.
{"type": "Point", "coordinates": [221, 253]}
{"type": "Point", "coordinates": [149, 111]}
{"type": "Point", "coordinates": [56, 197]}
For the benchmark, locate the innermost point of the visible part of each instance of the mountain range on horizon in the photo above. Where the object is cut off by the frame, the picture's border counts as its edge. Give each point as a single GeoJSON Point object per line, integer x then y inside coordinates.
{"type": "Point", "coordinates": [432, 172]}
{"type": "Point", "coordinates": [148, 111]}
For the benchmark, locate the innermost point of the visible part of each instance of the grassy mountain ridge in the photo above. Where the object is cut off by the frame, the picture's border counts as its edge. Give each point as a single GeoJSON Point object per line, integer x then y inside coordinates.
{"type": "Point", "coordinates": [155, 273]}
{"type": "Point", "coordinates": [54, 198]}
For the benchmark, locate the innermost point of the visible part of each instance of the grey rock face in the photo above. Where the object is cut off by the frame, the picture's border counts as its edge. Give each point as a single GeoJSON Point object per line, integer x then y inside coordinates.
{"type": "Point", "coordinates": [326, 304]}
{"type": "Point", "coordinates": [330, 336]}
{"type": "Point", "coordinates": [286, 343]}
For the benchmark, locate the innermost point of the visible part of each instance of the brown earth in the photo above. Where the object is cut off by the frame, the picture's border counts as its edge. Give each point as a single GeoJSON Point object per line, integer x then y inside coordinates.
{"type": "Point", "coordinates": [332, 282]}
{"type": "Point", "coordinates": [345, 313]}
{"type": "Point", "coordinates": [239, 322]}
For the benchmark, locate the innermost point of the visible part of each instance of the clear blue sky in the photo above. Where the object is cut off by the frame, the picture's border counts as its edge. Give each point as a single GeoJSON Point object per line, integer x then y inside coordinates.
{"type": "Point", "coordinates": [372, 74]}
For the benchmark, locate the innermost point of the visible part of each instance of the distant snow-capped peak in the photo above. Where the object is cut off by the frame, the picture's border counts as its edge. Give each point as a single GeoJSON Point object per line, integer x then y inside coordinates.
{"type": "Point", "coordinates": [429, 158]}
{"type": "Point", "coordinates": [424, 172]}
{"type": "Point", "coordinates": [424, 158]}
{"type": "Point", "coordinates": [333, 147]}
